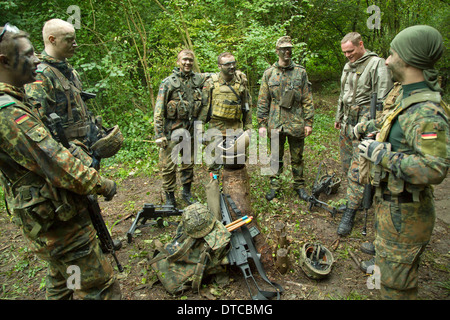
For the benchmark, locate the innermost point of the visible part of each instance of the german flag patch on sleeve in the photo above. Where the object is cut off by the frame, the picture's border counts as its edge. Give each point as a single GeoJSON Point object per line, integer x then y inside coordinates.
{"type": "Point", "coordinates": [22, 119]}
{"type": "Point", "coordinates": [429, 135]}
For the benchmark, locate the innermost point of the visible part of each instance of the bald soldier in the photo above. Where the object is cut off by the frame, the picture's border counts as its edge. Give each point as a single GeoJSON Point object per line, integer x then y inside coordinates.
{"type": "Point", "coordinates": [45, 185]}
{"type": "Point", "coordinates": [59, 90]}
{"type": "Point", "coordinates": [412, 152]}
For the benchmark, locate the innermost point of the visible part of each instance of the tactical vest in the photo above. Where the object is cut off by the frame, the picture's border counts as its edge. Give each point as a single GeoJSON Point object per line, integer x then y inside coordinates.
{"type": "Point", "coordinates": [397, 185]}
{"type": "Point", "coordinates": [352, 111]}
{"type": "Point", "coordinates": [226, 99]}
{"type": "Point", "coordinates": [184, 99]}
{"type": "Point", "coordinates": [35, 203]}
{"type": "Point", "coordinates": [76, 119]}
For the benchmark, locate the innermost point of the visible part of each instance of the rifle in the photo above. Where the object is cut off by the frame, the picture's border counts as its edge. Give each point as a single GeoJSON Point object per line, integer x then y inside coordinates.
{"type": "Point", "coordinates": [102, 232]}
{"type": "Point", "coordinates": [321, 185]}
{"type": "Point", "coordinates": [95, 213]}
{"type": "Point", "coordinates": [87, 95]}
{"type": "Point", "coordinates": [243, 248]}
{"type": "Point", "coordinates": [368, 195]}
{"type": "Point", "coordinates": [149, 211]}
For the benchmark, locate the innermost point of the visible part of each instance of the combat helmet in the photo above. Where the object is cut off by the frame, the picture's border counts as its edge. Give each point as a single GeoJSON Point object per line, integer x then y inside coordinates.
{"type": "Point", "coordinates": [198, 220]}
{"type": "Point", "coordinates": [234, 150]}
{"type": "Point", "coordinates": [316, 260]}
{"type": "Point", "coordinates": [109, 144]}
{"type": "Point", "coordinates": [333, 186]}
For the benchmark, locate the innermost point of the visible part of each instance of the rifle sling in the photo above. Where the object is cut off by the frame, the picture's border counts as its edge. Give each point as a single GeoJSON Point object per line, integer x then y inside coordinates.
{"type": "Point", "coordinates": [262, 295]}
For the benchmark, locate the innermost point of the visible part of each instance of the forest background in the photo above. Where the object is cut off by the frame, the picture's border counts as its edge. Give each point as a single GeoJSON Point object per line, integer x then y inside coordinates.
{"type": "Point", "coordinates": [126, 48]}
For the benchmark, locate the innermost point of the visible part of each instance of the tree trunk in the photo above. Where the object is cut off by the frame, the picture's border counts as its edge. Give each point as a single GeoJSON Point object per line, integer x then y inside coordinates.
{"type": "Point", "coordinates": [236, 185]}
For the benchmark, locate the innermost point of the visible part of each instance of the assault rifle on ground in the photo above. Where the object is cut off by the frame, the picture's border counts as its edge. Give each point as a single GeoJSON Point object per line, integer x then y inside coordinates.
{"type": "Point", "coordinates": [155, 213]}
{"type": "Point", "coordinates": [106, 242]}
{"type": "Point", "coordinates": [242, 249]}
{"type": "Point", "coordinates": [322, 184]}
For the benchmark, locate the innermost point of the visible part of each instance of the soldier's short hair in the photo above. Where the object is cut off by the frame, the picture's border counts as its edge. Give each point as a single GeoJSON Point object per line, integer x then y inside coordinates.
{"type": "Point", "coordinates": [185, 52]}
{"type": "Point", "coordinates": [353, 37]}
{"type": "Point", "coordinates": [223, 55]}
{"type": "Point", "coordinates": [54, 27]}
{"type": "Point", "coordinates": [9, 38]}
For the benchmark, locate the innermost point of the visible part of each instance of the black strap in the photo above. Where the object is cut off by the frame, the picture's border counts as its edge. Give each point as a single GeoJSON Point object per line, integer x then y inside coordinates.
{"type": "Point", "coordinates": [237, 96]}
{"type": "Point", "coordinates": [261, 295]}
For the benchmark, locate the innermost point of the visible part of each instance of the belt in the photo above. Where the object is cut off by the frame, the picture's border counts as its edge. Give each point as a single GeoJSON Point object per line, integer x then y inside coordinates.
{"type": "Point", "coordinates": [404, 197]}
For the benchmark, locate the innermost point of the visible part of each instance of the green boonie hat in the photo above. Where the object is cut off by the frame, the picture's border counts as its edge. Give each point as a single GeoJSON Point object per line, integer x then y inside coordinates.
{"type": "Point", "coordinates": [198, 220]}
{"type": "Point", "coordinates": [284, 42]}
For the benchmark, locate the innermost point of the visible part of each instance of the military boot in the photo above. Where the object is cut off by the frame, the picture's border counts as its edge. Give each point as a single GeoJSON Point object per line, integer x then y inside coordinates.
{"type": "Point", "coordinates": [170, 199]}
{"type": "Point", "coordinates": [302, 194]}
{"type": "Point", "coordinates": [271, 194]}
{"type": "Point", "coordinates": [346, 225]}
{"type": "Point", "coordinates": [368, 247]}
{"type": "Point", "coordinates": [186, 194]}
{"type": "Point", "coordinates": [364, 265]}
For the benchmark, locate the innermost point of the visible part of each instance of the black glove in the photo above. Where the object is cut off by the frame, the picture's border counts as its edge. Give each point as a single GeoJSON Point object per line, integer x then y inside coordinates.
{"type": "Point", "coordinates": [108, 189]}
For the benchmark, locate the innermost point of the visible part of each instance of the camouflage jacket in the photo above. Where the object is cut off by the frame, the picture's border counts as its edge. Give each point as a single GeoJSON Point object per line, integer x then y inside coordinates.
{"type": "Point", "coordinates": [58, 89]}
{"type": "Point", "coordinates": [42, 180]}
{"type": "Point", "coordinates": [239, 97]}
{"type": "Point", "coordinates": [359, 79]}
{"type": "Point", "coordinates": [275, 84]}
{"type": "Point", "coordinates": [178, 102]}
{"type": "Point", "coordinates": [418, 132]}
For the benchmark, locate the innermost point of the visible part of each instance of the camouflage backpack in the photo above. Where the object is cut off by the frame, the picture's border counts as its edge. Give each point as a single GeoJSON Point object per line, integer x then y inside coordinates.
{"type": "Point", "coordinates": [199, 248]}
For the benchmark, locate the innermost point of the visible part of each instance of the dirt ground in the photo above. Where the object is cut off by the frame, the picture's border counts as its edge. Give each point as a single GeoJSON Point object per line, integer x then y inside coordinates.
{"type": "Point", "coordinates": [21, 275]}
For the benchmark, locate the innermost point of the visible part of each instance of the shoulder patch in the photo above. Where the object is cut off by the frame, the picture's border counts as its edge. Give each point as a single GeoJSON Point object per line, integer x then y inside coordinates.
{"type": "Point", "coordinates": [6, 100]}
{"type": "Point", "coordinates": [22, 119]}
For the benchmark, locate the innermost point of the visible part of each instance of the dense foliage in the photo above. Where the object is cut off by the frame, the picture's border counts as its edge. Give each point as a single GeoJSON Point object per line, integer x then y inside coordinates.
{"type": "Point", "coordinates": [126, 47]}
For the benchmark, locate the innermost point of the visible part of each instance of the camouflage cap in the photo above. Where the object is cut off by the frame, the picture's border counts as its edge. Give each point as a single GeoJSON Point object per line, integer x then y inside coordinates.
{"type": "Point", "coordinates": [284, 42]}
{"type": "Point", "coordinates": [198, 220]}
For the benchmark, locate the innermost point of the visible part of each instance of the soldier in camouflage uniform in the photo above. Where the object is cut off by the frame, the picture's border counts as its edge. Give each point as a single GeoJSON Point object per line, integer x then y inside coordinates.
{"type": "Point", "coordinates": [45, 186]}
{"type": "Point", "coordinates": [58, 87]}
{"type": "Point", "coordinates": [412, 151]}
{"type": "Point", "coordinates": [225, 106]}
{"type": "Point", "coordinates": [363, 74]}
{"type": "Point", "coordinates": [285, 106]}
{"type": "Point", "coordinates": [177, 106]}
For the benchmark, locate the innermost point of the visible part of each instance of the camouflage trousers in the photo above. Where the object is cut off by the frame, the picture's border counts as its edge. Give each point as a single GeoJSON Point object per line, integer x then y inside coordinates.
{"type": "Point", "coordinates": [346, 146]}
{"type": "Point", "coordinates": [168, 163]}
{"type": "Point", "coordinates": [402, 232]}
{"type": "Point", "coordinates": [296, 146]}
{"type": "Point", "coordinates": [350, 166]}
{"type": "Point", "coordinates": [71, 246]}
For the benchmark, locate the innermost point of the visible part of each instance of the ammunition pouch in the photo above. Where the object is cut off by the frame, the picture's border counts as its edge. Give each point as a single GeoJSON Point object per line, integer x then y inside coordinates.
{"type": "Point", "coordinates": [288, 99]}
{"type": "Point", "coordinates": [36, 205]}
{"type": "Point", "coordinates": [227, 109]}
{"type": "Point", "coordinates": [183, 110]}
{"type": "Point", "coordinates": [396, 190]}
{"type": "Point", "coordinates": [77, 130]}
